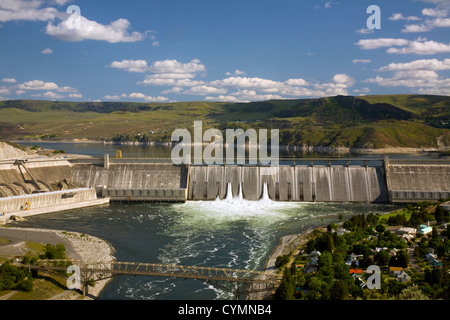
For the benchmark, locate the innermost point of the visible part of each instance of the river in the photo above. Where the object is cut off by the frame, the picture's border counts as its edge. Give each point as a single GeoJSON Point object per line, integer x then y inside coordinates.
{"type": "Point", "coordinates": [229, 233]}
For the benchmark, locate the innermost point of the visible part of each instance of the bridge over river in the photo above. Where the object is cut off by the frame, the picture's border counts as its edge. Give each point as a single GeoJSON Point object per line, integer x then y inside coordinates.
{"type": "Point", "coordinates": [232, 280]}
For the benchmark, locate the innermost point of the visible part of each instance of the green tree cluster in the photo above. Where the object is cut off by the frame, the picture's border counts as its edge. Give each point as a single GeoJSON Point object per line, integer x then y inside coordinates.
{"type": "Point", "coordinates": [15, 278]}
{"type": "Point", "coordinates": [57, 252]}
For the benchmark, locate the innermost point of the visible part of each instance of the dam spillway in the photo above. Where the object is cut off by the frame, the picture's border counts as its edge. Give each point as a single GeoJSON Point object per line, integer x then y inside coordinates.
{"type": "Point", "coordinates": [334, 183]}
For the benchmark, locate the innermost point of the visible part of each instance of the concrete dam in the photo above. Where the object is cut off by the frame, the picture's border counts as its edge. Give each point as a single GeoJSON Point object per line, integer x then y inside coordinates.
{"type": "Point", "coordinates": [313, 180]}
{"type": "Point", "coordinates": [36, 186]}
{"type": "Point", "coordinates": [41, 185]}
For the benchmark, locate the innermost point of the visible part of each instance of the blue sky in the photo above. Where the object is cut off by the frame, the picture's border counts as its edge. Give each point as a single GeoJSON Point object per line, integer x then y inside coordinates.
{"type": "Point", "coordinates": [211, 50]}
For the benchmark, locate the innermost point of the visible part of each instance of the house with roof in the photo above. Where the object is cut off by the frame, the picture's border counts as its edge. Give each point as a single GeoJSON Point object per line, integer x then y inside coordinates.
{"type": "Point", "coordinates": [342, 231]}
{"type": "Point", "coordinates": [395, 270]}
{"type": "Point", "coordinates": [353, 259]}
{"type": "Point", "coordinates": [433, 260]}
{"type": "Point", "coordinates": [424, 229]}
{"type": "Point", "coordinates": [314, 254]}
{"type": "Point", "coordinates": [402, 276]}
{"type": "Point", "coordinates": [399, 274]}
{"type": "Point", "coordinates": [356, 272]}
{"type": "Point", "coordinates": [393, 252]}
{"type": "Point", "coordinates": [406, 232]}
{"type": "Point", "coordinates": [446, 205]}
{"type": "Point", "coordinates": [312, 265]}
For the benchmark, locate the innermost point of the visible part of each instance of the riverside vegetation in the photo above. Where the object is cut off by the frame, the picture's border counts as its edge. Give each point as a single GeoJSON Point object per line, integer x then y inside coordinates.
{"type": "Point", "coordinates": [368, 122]}
{"type": "Point", "coordinates": [371, 240]}
{"type": "Point", "coordinates": [21, 279]}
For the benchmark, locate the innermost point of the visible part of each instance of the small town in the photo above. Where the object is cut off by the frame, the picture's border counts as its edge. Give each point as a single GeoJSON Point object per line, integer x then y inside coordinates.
{"type": "Point", "coordinates": [410, 246]}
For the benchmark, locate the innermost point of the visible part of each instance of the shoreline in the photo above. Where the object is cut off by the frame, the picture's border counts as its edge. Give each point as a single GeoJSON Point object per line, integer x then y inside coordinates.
{"type": "Point", "coordinates": [90, 248]}
{"type": "Point", "coordinates": [305, 149]}
{"type": "Point", "coordinates": [85, 247]}
{"type": "Point", "coordinates": [286, 244]}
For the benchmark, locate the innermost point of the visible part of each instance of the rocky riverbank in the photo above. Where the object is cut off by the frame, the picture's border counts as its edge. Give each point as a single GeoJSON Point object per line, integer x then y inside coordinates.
{"type": "Point", "coordinates": [288, 244]}
{"type": "Point", "coordinates": [90, 248]}
{"type": "Point", "coordinates": [79, 246]}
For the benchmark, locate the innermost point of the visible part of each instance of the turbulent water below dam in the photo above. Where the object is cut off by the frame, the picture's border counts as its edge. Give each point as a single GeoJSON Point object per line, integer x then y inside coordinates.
{"type": "Point", "coordinates": [228, 233]}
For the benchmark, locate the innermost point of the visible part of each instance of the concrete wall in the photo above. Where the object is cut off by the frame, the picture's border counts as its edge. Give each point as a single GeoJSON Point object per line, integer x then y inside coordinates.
{"type": "Point", "coordinates": [146, 195]}
{"type": "Point", "coordinates": [51, 175]}
{"type": "Point", "coordinates": [418, 182]}
{"type": "Point", "coordinates": [135, 181]}
{"type": "Point", "coordinates": [45, 200]}
{"type": "Point", "coordinates": [290, 183]}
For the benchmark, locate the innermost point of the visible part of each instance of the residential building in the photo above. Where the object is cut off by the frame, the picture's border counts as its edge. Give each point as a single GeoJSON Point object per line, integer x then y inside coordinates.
{"type": "Point", "coordinates": [424, 229]}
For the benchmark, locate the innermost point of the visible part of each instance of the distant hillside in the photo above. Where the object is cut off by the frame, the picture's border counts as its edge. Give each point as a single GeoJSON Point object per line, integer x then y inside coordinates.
{"type": "Point", "coordinates": [413, 121]}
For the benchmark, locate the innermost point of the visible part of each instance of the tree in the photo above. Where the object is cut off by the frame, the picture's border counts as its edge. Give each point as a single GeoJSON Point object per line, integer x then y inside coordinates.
{"type": "Point", "coordinates": [439, 214]}
{"type": "Point", "coordinates": [281, 260]}
{"type": "Point", "coordinates": [339, 290]}
{"type": "Point", "coordinates": [412, 293]}
{"type": "Point", "coordinates": [54, 252]}
{"type": "Point", "coordinates": [380, 228]}
{"type": "Point", "coordinates": [382, 258]}
{"type": "Point", "coordinates": [325, 260]}
{"type": "Point", "coordinates": [285, 291]}
{"type": "Point", "coordinates": [14, 278]}
{"type": "Point", "coordinates": [434, 233]}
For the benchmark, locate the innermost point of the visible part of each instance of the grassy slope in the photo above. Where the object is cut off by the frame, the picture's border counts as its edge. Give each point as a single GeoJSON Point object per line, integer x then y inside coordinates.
{"type": "Point", "coordinates": [370, 121]}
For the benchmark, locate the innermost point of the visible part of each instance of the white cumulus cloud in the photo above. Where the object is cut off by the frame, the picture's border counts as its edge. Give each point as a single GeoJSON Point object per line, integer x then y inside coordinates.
{"type": "Point", "coordinates": [47, 51]}
{"type": "Point", "coordinates": [9, 80]}
{"type": "Point", "coordinates": [368, 44]}
{"type": "Point", "coordinates": [78, 28]}
{"type": "Point", "coordinates": [139, 95]}
{"type": "Point", "coordinates": [13, 10]}
{"type": "Point", "coordinates": [131, 65]}
{"type": "Point", "coordinates": [38, 85]}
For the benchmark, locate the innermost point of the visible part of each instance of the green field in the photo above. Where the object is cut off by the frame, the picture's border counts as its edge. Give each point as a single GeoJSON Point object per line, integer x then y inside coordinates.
{"type": "Point", "coordinates": [415, 121]}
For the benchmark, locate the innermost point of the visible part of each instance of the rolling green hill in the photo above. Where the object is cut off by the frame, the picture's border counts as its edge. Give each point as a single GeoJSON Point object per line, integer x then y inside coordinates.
{"type": "Point", "coordinates": [414, 121]}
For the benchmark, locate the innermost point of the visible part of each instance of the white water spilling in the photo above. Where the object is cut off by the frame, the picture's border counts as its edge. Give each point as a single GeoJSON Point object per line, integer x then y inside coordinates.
{"type": "Point", "coordinates": [229, 192]}
{"type": "Point", "coordinates": [265, 195]}
{"type": "Point", "coordinates": [241, 195]}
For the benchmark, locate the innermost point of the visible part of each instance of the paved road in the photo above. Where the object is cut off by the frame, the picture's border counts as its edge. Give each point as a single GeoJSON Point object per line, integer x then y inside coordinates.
{"type": "Point", "coordinates": [45, 237]}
